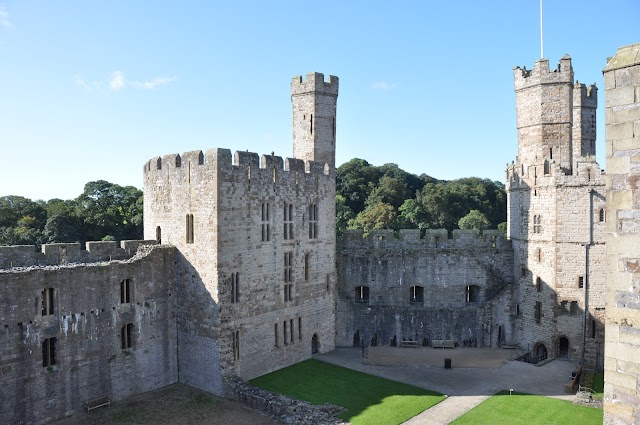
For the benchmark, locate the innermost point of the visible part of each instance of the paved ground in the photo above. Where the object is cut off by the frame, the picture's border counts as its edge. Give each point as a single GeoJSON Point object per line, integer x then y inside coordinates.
{"type": "Point", "coordinates": [465, 386]}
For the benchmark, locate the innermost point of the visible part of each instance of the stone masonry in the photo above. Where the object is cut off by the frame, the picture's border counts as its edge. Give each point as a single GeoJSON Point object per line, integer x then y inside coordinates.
{"type": "Point", "coordinates": [241, 273]}
{"type": "Point", "coordinates": [622, 351]}
{"type": "Point", "coordinates": [556, 217]}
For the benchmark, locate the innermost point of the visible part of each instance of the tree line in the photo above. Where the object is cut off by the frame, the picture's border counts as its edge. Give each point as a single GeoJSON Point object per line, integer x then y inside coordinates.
{"type": "Point", "coordinates": [104, 211]}
{"type": "Point", "coordinates": [386, 197]}
{"type": "Point", "coordinates": [367, 197]}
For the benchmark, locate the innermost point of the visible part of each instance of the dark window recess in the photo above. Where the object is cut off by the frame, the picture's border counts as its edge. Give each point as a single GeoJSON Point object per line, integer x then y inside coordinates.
{"type": "Point", "coordinates": [126, 336]}
{"type": "Point", "coordinates": [580, 281]}
{"type": "Point", "coordinates": [416, 294]}
{"type": "Point", "coordinates": [573, 308]}
{"type": "Point", "coordinates": [47, 302]}
{"type": "Point", "coordinates": [288, 221]}
{"type": "Point", "coordinates": [538, 312]}
{"type": "Point", "coordinates": [472, 294]}
{"type": "Point", "coordinates": [235, 287]}
{"type": "Point", "coordinates": [49, 352]}
{"type": "Point", "coordinates": [266, 225]}
{"type": "Point", "coordinates": [313, 221]}
{"type": "Point", "coordinates": [538, 284]}
{"type": "Point", "coordinates": [125, 291]}
{"type": "Point", "coordinates": [235, 343]}
{"type": "Point", "coordinates": [189, 232]}
{"type": "Point", "coordinates": [362, 294]}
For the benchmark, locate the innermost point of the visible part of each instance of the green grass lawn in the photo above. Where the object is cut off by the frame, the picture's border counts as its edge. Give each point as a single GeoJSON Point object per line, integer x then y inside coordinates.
{"type": "Point", "coordinates": [530, 410]}
{"type": "Point", "coordinates": [367, 398]}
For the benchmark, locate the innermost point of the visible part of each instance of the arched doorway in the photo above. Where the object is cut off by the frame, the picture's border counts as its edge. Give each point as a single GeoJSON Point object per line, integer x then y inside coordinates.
{"type": "Point", "coordinates": [563, 347]}
{"type": "Point", "coordinates": [315, 344]}
{"type": "Point", "coordinates": [539, 353]}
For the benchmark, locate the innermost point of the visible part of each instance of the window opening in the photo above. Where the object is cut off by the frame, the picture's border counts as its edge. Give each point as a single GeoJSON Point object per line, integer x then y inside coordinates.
{"type": "Point", "coordinates": [235, 287]}
{"type": "Point", "coordinates": [49, 352]}
{"type": "Point", "coordinates": [416, 294]}
{"type": "Point", "coordinates": [126, 336]}
{"type": "Point", "coordinates": [275, 333]}
{"type": "Point", "coordinates": [307, 266]}
{"type": "Point", "coordinates": [284, 332]}
{"type": "Point", "coordinates": [580, 281]}
{"type": "Point", "coordinates": [47, 302]}
{"type": "Point", "coordinates": [266, 225]}
{"type": "Point", "coordinates": [362, 294]}
{"type": "Point", "coordinates": [538, 312]}
{"type": "Point", "coordinates": [300, 328]}
{"type": "Point", "coordinates": [313, 221]}
{"type": "Point", "coordinates": [125, 291]}
{"type": "Point", "coordinates": [601, 215]}
{"type": "Point", "coordinates": [291, 330]}
{"type": "Point", "coordinates": [472, 293]}
{"type": "Point", "coordinates": [288, 221]}
{"type": "Point", "coordinates": [574, 308]}
{"type": "Point", "coordinates": [189, 228]}
{"type": "Point", "coordinates": [538, 284]}
{"type": "Point", "coordinates": [235, 345]}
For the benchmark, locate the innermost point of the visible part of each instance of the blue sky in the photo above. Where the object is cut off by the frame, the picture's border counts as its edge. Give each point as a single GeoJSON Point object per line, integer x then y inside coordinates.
{"type": "Point", "coordinates": [92, 90]}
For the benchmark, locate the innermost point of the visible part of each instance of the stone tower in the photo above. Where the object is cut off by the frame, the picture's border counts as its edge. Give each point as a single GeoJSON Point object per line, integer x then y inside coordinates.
{"type": "Point", "coordinates": [555, 212]}
{"type": "Point", "coordinates": [622, 355]}
{"type": "Point", "coordinates": [314, 118]}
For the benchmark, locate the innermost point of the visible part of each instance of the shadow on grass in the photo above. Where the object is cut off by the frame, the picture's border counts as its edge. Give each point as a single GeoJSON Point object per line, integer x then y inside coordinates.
{"type": "Point", "coordinates": [368, 399]}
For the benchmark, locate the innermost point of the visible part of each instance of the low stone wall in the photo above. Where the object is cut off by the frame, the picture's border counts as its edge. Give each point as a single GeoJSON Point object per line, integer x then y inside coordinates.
{"type": "Point", "coordinates": [281, 408]}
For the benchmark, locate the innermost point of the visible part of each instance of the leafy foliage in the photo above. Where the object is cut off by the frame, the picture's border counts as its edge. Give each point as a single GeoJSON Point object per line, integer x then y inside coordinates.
{"type": "Point", "coordinates": [103, 209]}
{"type": "Point", "coordinates": [393, 198]}
{"type": "Point", "coordinates": [475, 220]}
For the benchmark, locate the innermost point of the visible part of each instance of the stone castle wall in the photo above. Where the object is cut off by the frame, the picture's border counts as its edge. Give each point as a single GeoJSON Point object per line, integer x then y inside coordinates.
{"type": "Point", "coordinates": [444, 268]}
{"type": "Point", "coordinates": [86, 319]}
{"type": "Point", "coordinates": [622, 352]}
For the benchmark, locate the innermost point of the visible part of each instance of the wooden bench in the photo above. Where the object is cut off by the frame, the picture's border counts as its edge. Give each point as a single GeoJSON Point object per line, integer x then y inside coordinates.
{"type": "Point", "coordinates": [96, 403]}
{"type": "Point", "coordinates": [410, 344]}
{"type": "Point", "coordinates": [571, 386]}
{"type": "Point", "coordinates": [443, 343]}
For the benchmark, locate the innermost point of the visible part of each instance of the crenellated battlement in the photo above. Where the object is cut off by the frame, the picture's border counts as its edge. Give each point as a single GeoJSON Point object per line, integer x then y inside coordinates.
{"type": "Point", "coordinates": [198, 164]}
{"type": "Point", "coordinates": [541, 74]}
{"type": "Point", "coordinates": [461, 239]}
{"type": "Point", "coordinates": [314, 82]}
{"type": "Point", "coordinates": [585, 96]}
{"type": "Point", "coordinates": [68, 253]}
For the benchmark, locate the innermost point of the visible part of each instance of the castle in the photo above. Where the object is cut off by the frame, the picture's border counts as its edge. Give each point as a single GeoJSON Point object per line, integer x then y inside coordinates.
{"type": "Point", "coordinates": [241, 273]}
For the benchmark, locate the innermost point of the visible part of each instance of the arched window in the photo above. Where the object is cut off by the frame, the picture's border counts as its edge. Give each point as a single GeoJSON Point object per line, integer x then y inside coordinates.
{"type": "Point", "coordinates": [200, 158]}
{"type": "Point", "coordinates": [362, 294]}
{"type": "Point", "coordinates": [178, 161]}
{"type": "Point", "coordinates": [159, 164]}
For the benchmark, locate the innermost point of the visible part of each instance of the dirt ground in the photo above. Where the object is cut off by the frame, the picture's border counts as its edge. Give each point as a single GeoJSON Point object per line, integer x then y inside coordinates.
{"type": "Point", "coordinates": [175, 404]}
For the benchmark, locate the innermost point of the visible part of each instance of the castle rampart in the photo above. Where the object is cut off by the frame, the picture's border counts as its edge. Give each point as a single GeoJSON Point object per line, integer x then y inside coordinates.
{"type": "Point", "coordinates": [75, 332]}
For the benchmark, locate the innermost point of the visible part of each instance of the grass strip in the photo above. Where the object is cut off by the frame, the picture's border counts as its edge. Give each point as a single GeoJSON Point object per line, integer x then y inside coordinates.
{"type": "Point", "coordinates": [367, 398]}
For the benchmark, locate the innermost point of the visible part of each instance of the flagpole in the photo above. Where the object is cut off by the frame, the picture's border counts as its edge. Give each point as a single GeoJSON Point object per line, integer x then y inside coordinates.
{"type": "Point", "coordinates": [541, 36]}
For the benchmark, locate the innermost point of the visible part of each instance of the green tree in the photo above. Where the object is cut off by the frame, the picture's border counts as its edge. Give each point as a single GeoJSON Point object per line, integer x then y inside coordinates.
{"type": "Point", "coordinates": [380, 216]}
{"type": "Point", "coordinates": [355, 180]}
{"type": "Point", "coordinates": [389, 190]}
{"type": "Point", "coordinates": [475, 220]}
{"type": "Point", "coordinates": [343, 215]}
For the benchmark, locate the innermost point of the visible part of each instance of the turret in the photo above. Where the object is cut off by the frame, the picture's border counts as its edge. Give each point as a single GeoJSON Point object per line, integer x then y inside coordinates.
{"type": "Point", "coordinates": [314, 118]}
{"type": "Point", "coordinates": [585, 102]}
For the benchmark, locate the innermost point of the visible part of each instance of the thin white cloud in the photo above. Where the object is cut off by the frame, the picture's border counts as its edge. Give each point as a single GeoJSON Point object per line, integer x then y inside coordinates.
{"type": "Point", "coordinates": [152, 84]}
{"type": "Point", "coordinates": [5, 22]}
{"type": "Point", "coordinates": [383, 85]}
{"type": "Point", "coordinates": [118, 82]}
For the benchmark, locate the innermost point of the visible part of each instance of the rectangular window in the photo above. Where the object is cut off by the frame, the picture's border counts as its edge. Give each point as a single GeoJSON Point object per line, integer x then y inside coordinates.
{"type": "Point", "coordinates": [593, 328]}
{"type": "Point", "coordinates": [564, 308]}
{"type": "Point", "coordinates": [313, 221]}
{"type": "Point", "coordinates": [284, 332]}
{"type": "Point", "coordinates": [288, 267]}
{"type": "Point", "coordinates": [47, 302]}
{"type": "Point", "coordinates": [125, 291]}
{"type": "Point", "coordinates": [235, 345]}
{"type": "Point", "coordinates": [580, 281]}
{"type": "Point", "coordinates": [275, 333]}
{"type": "Point", "coordinates": [538, 312]}
{"type": "Point", "coordinates": [574, 308]}
{"type": "Point", "coordinates": [266, 224]}
{"type": "Point", "coordinates": [288, 292]}
{"type": "Point", "coordinates": [362, 294]}
{"type": "Point", "coordinates": [300, 328]}
{"type": "Point", "coordinates": [189, 228]}
{"type": "Point", "coordinates": [538, 284]}
{"type": "Point", "coordinates": [126, 336]}
{"type": "Point", "coordinates": [235, 287]}
{"type": "Point", "coordinates": [307, 265]}
{"type": "Point", "coordinates": [416, 294]}
{"type": "Point", "coordinates": [523, 271]}
{"type": "Point", "coordinates": [288, 221]}
{"type": "Point", "coordinates": [517, 310]}
{"type": "Point", "coordinates": [291, 330]}
{"type": "Point", "coordinates": [49, 352]}
{"type": "Point", "coordinates": [537, 224]}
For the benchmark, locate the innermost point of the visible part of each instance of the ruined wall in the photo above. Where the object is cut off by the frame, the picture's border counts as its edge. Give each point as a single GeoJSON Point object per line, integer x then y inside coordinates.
{"type": "Point", "coordinates": [85, 316]}
{"type": "Point", "coordinates": [622, 351]}
{"type": "Point", "coordinates": [444, 268]}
